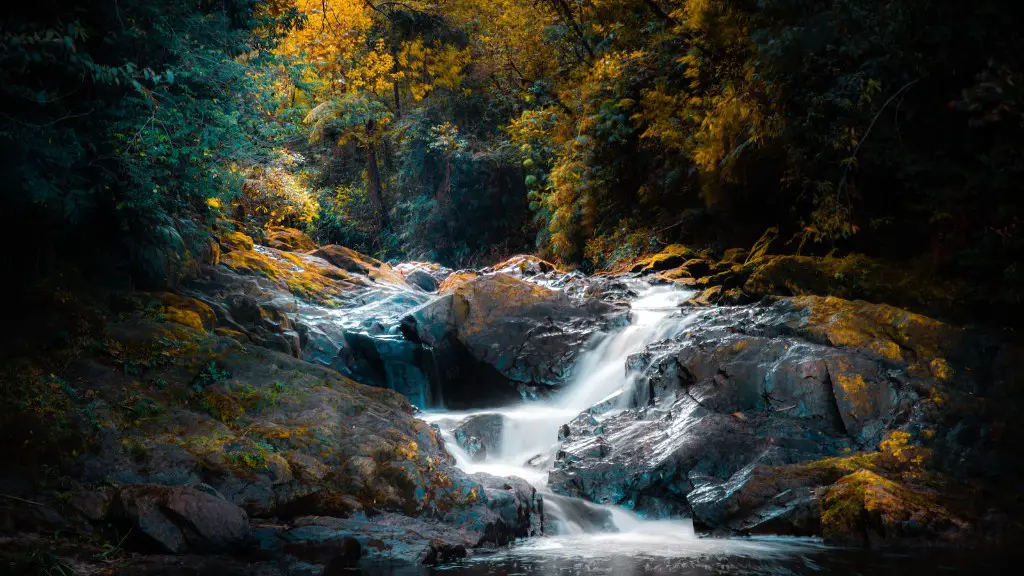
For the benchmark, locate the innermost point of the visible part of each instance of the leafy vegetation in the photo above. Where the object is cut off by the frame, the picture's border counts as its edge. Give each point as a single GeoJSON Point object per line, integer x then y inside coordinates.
{"type": "Point", "coordinates": [592, 132]}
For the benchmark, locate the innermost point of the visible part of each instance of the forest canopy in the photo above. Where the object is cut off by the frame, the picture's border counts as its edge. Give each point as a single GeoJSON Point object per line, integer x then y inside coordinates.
{"type": "Point", "coordinates": [461, 131]}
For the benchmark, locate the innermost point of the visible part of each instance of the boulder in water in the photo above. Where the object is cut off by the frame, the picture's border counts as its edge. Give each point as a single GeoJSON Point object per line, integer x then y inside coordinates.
{"type": "Point", "coordinates": [527, 333]}
{"type": "Point", "coordinates": [480, 435]}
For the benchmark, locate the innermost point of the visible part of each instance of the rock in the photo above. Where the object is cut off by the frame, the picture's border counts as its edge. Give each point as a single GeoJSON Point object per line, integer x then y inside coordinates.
{"type": "Point", "coordinates": [518, 506]}
{"type": "Point", "coordinates": [442, 553]}
{"type": "Point", "coordinates": [181, 519]}
{"type": "Point", "coordinates": [745, 418]}
{"type": "Point", "coordinates": [456, 279]}
{"type": "Point", "coordinates": [736, 255]}
{"type": "Point", "coordinates": [527, 333]}
{"type": "Point", "coordinates": [522, 266]}
{"type": "Point", "coordinates": [417, 274]}
{"type": "Point", "coordinates": [422, 280]}
{"type": "Point", "coordinates": [289, 239]}
{"type": "Point", "coordinates": [93, 504]}
{"type": "Point", "coordinates": [504, 509]}
{"type": "Point", "coordinates": [480, 435]}
{"type": "Point", "coordinates": [233, 240]}
{"type": "Point", "coordinates": [357, 263]}
{"type": "Point", "coordinates": [671, 257]}
{"type": "Point", "coordinates": [271, 433]}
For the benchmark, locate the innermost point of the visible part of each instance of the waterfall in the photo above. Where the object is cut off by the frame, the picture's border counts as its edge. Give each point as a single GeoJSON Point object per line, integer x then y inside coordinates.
{"type": "Point", "coordinates": [529, 433]}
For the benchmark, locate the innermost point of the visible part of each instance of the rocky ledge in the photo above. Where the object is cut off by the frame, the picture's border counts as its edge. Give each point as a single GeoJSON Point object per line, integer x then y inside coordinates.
{"type": "Point", "coordinates": [863, 423]}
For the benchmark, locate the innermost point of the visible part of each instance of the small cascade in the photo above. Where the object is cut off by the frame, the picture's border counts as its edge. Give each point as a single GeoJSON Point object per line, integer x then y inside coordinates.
{"type": "Point", "coordinates": [529, 432]}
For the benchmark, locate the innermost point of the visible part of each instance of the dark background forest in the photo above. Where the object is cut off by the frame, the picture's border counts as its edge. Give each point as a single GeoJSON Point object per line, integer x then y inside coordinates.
{"type": "Point", "coordinates": [461, 131]}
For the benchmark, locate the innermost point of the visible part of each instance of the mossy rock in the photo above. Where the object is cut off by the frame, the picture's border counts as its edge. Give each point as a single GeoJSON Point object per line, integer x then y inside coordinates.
{"type": "Point", "coordinates": [186, 311]}
{"type": "Point", "coordinates": [736, 255]}
{"type": "Point", "coordinates": [304, 276]}
{"type": "Point", "coordinates": [865, 508]}
{"type": "Point", "coordinates": [233, 240]}
{"type": "Point", "coordinates": [672, 256]}
{"type": "Point", "coordinates": [289, 239]}
{"type": "Point", "coordinates": [352, 261]}
{"type": "Point", "coordinates": [456, 279]}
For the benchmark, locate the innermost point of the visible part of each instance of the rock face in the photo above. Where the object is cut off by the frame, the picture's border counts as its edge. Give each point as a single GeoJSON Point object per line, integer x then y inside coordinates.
{"type": "Point", "coordinates": [528, 334]}
{"type": "Point", "coordinates": [744, 420]}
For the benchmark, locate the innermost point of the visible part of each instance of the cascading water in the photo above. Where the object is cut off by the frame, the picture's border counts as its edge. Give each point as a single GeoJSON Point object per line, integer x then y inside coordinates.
{"type": "Point", "coordinates": [529, 434]}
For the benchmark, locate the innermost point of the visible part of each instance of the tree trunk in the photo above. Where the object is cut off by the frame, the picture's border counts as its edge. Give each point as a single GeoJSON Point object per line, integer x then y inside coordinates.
{"type": "Point", "coordinates": [373, 178]}
{"type": "Point", "coordinates": [444, 192]}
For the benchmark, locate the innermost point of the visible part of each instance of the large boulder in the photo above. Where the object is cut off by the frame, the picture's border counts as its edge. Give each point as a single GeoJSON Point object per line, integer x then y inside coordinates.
{"type": "Point", "coordinates": [528, 334]}
{"type": "Point", "coordinates": [744, 419]}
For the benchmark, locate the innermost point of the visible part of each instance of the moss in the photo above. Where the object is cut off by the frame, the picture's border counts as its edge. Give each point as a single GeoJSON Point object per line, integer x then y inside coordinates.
{"type": "Point", "coordinates": [299, 274]}
{"type": "Point", "coordinates": [185, 310]}
{"type": "Point", "coordinates": [252, 457]}
{"type": "Point", "coordinates": [864, 505]}
{"type": "Point", "coordinates": [288, 239]}
{"type": "Point", "coordinates": [455, 280]}
{"type": "Point", "coordinates": [231, 241]}
{"type": "Point", "coordinates": [671, 256]}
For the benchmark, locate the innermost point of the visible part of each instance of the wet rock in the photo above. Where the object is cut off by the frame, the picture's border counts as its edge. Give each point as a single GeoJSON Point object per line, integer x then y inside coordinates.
{"type": "Point", "coordinates": [528, 333]}
{"type": "Point", "coordinates": [422, 280]}
{"type": "Point", "coordinates": [731, 417]}
{"type": "Point", "coordinates": [519, 509]}
{"type": "Point", "coordinates": [437, 273]}
{"type": "Point", "coordinates": [442, 553]}
{"type": "Point", "coordinates": [358, 263]}
{"type": "Point", "coordinates": [480, 435]}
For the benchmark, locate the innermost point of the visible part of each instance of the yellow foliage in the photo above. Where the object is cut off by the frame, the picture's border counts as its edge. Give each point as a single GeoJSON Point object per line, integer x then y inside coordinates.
{"type": "Point", "coordinates": [277, 194]}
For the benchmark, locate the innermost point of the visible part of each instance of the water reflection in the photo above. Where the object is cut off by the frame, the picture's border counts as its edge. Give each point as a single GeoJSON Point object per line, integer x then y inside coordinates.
{"type": "Point", "coordinates": [606, 555]}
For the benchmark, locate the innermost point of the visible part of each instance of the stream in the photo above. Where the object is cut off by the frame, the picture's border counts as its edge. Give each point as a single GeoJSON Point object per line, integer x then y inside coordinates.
{"type": "Point", "coordinates": [577, 541]}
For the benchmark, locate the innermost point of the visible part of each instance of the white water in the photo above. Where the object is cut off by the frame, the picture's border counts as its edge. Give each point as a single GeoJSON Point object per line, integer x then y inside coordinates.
{"type": "Point", "coordinates": [530, 432]}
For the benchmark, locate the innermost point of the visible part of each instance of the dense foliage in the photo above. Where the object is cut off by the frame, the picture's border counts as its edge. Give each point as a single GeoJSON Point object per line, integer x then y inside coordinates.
{"type": "Point", "coordinates": [121, 120]}
{"type": "Point", "coordinates": [461, 130]}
